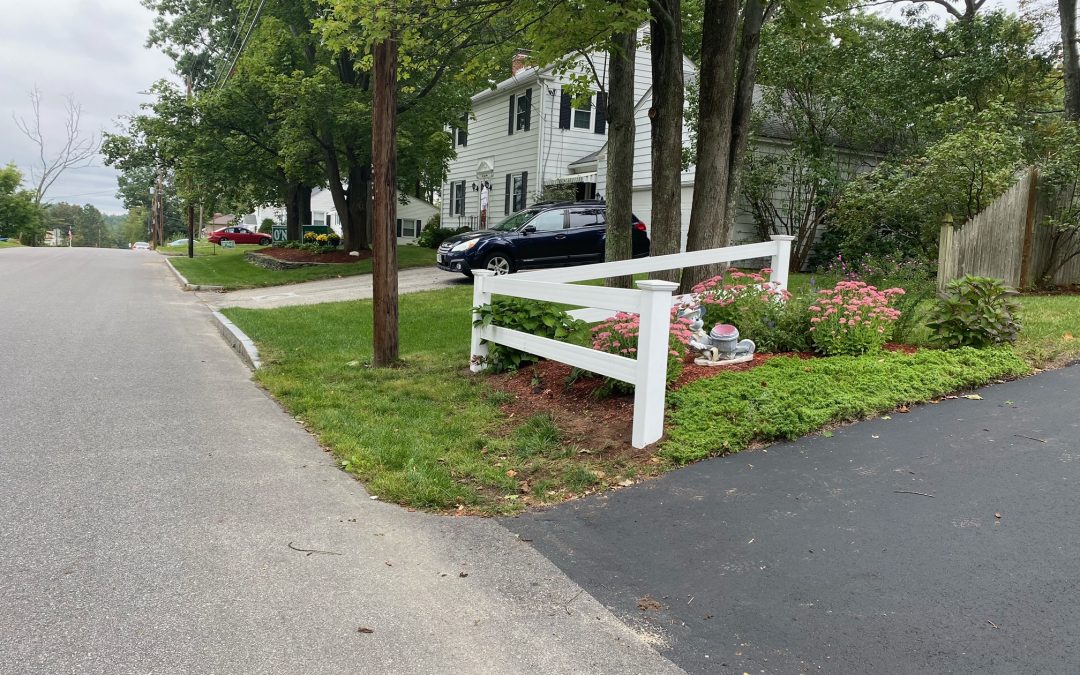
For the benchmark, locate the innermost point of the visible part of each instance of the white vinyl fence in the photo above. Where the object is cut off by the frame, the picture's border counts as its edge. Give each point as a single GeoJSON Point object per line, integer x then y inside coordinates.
{"type": "Point", "coordinates": [652, 300]}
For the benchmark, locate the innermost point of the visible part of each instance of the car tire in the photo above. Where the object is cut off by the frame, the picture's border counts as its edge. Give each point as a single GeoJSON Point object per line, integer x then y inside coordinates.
{"type": "Point", "coordinates": [266, 241]}
{"type": "Point", "coordinates": [498, 262]}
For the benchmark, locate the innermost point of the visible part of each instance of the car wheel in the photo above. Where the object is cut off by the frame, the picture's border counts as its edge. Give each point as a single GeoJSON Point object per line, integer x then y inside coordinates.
{"type": "Point", "coordinates": [499, 263]}
{"type": "Point", "coordinates": [265, 241]}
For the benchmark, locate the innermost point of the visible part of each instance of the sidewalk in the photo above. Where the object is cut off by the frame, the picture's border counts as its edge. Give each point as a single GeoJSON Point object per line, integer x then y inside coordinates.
{"type": "Point", "coordinates": [330, 290]}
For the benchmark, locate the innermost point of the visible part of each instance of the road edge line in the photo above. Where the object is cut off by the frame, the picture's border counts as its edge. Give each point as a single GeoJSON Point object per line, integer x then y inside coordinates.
{"type": "Point", "coordinates": [238, 340]}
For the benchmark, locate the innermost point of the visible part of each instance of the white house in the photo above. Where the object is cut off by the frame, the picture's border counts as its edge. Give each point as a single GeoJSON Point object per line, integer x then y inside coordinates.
{"type": "Point", "coordinates": [524, 134]}
{"type": "Point", "coordinates": [412, 214]}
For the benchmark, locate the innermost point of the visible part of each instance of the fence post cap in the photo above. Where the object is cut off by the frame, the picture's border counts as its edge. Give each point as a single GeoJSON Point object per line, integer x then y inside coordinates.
{"type": "Point", "coordinates": [782, 237]}
{"type": "Point", "coordinates": [657, 285]}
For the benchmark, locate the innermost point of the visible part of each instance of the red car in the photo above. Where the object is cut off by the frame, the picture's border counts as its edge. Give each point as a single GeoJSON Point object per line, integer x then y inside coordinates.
{"type": "Point", "coordinates": [240, 235]}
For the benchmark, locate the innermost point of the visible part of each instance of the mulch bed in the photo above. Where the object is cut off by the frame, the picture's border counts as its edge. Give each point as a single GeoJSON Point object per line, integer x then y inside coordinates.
{"type": "Point", "coordinates": [300, 255]}
{"type": "Point", "coordinates": [603, 425]}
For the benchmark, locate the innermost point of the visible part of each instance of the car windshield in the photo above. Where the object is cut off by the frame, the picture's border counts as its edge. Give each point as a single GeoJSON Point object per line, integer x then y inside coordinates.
{"type": "Point", "coordinates": [515, 221]}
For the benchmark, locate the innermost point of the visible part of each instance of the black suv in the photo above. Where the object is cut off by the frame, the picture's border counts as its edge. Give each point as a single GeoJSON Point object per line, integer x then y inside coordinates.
{"type": "Point", "coordinates": [551, 234]}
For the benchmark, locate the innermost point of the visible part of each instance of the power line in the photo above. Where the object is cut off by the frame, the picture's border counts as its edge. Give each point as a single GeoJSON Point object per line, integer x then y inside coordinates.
{"type": "Point", "coordinates": [243, 44]}
{"type": "Point", "coordinates": [237, 27]}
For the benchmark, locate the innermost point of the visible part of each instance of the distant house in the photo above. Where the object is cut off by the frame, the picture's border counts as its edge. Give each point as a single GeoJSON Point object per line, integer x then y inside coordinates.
{"type": "Point", "coordinates": [524, 135]}
{"type": "Point", "coordinates": [412, 215]}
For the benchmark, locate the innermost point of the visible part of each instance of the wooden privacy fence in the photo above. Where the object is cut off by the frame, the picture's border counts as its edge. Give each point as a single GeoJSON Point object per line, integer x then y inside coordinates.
{"type": "Point", "coordinates": [652, 300]}
{"type": "Point", "coordinates": [1006, 240]}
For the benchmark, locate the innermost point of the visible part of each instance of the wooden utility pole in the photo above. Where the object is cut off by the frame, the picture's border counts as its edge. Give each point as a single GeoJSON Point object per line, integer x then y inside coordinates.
{"type": "Point", "coordinates": [384, 189]}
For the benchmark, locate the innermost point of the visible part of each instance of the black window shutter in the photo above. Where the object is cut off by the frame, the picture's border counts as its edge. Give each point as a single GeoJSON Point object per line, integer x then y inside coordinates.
{"type": "Point", "coordinates": [528, 108]}
{"type": "Point", "coordinates": [524, 188]}
{"type": "Point", "coordinates": [564, 111]}
{"type": "Point", "coordinates": [463, 138]}
{"type": "Point", "coordinates": [601, 113]}
{"type": "Point", "coordinates": [509, 187]}
{"type": "Point", "coordinates": [510, 127]}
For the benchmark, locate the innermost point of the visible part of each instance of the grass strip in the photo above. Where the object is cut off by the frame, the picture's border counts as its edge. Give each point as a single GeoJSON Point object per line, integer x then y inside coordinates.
{"type": "Point", "coordinates": [787, 397]}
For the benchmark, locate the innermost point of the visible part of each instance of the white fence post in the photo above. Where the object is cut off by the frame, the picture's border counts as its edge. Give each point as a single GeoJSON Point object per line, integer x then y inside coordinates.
{"type": "Point", "coordinates": [478, 352]}
{"type": "Point", "coordinates": [781, 260]}
{"type": "Point", "coordinates": [652, 357]}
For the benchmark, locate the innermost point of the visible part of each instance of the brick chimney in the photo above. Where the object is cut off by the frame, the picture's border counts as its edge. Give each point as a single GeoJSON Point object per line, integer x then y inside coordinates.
{"type": "Point", "coordinates": [519, 62]}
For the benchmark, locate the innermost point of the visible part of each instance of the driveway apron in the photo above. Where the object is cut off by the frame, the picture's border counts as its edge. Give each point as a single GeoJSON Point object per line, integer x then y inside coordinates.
{"type": "Point", "coordinates": [945, 540]}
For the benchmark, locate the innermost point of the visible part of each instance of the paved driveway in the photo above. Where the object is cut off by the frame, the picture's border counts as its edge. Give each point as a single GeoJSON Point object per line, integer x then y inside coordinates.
{"type": "Point", "coordinates": [357, 287]}
{"type": "Point", "coordinates": [821, 556]}
{"type": "Point", "coordinates": [160, 514]}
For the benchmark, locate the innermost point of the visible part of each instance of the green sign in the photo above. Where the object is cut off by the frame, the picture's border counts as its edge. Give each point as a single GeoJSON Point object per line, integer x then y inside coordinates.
{"type": "Point", "coordinates": [228, 243]}
{"type": "Point", "coordinates": [280, 233]}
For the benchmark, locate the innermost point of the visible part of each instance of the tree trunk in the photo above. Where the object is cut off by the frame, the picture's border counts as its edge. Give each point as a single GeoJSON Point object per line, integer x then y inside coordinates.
{"type": "Point", "coordinates": [620, 153]}
{"type": "Point", "coordinates": [292, 213]}
{"type": "Point", "coordinates": [384, 170]}
{"type": "Point", "coordinates": [190, 231]}
{"type": "Point", "coordinates": [303, 206]}
{"type": "Point", "coordinates": [666, 116]}
{"type": "Point", "coordinates": [753, 17]}
{"type": "Point", "coordinates": [1067, 14]}
{"type": "Point", "coordinates": [714, 135]}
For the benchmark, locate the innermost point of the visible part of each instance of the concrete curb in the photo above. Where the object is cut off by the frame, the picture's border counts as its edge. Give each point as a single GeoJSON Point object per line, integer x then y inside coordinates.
{"type": "Point", "coordinates": [238, 340]}
{"type": "Point", "coordinates": [188, 286]}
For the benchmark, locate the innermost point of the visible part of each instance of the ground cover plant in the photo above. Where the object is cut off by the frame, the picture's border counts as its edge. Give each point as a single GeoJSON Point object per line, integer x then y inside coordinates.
{"type": "Point", "coordinates": [788, 397]}
{"type": "Point", "coordinates": [228, 268]}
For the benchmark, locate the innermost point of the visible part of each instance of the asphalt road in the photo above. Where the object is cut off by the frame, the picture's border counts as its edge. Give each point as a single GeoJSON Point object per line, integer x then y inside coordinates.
{"type": "Point", "coordinates": [944, 540]}
{"type": "Point", "coordinates": [149, 494]}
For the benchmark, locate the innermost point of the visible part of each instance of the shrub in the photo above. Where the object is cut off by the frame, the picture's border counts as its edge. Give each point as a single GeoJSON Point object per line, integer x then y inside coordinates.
{"type": "Point", "coordinates": [529, 316]}
{"type": "Point", "coordinates": [619, 335]}
{"type": "Point", "coordinates": [267, 226]}
{"type": "Point", "coordinates": [772, 318]}
{"type": "Point", "coordinates": [433, 235]}
{"type": "Point", "coordinates": [976, 312]}
{"type": "Point", "coordinates": [852, 318]}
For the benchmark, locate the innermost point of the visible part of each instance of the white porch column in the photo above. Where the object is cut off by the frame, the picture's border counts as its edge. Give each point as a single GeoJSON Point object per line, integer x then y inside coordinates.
{"type": "Point", "coordinates": [652, 358]}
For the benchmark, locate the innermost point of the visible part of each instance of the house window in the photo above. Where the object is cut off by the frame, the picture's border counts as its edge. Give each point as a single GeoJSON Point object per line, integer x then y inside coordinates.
{"type": "Point", "coordinates": [318, 218]}
{"type": "Point", "coordinates": [518, 187]}
{"type": "Point", "coordinates": [583, 116]}
{"type": "Point", "coordinates": [520, 112]}
{"type": "Point", "coordinates": [457, 206]}
{"type": "Point", "coordinates": [250, 219]}
{"type": "Point", "coordinates": [407, 227]}
{"type": "Point", "coordinates": [461, 132]}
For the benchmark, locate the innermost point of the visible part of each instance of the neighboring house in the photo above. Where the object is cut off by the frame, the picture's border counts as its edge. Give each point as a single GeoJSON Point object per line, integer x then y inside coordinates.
{"type": "Point", "coordinates": [524, 135]}
{"type": "Point", "coordinates": [412, 215]}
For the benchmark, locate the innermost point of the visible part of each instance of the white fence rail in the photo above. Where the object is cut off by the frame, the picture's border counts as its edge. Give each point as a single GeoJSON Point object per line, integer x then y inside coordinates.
{"type": "Point", "coordinates": [652, 301]}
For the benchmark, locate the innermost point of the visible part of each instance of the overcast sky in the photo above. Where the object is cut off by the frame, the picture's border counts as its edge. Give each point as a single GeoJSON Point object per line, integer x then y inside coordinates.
{"type": "Point", "coordinates": [92, 50]}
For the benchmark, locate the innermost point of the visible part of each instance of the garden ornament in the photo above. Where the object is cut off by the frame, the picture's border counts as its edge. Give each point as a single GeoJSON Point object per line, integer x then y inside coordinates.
{"type": "Point", "coordinates": [721, 346]}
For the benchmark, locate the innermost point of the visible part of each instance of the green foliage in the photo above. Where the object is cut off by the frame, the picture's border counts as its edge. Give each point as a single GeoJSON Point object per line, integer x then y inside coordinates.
{"type": "Point", "coordinates": [433, 235]}
{"type": "Point", "coordinates": [975, 312]}
{"type": "Point", "coordinates": [528, 316]}
{"type": "Point", "coordinates": [19, 217]}
{"type": "Point", "coordinates": [789, 397]}
{"type": "Point", "coordinates": [900, 204]}
{"type": "Point", "coordinates": [267, 226]}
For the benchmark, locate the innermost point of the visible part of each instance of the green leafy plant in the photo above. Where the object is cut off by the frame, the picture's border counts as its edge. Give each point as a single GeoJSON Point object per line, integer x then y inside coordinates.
{"type": "Point", "coordinates": [433, 235]}
{"type": "Point", "coordinates": [975, 312]}
{"type": "Point", "coordinates": [529, 316]}
{"type": "Point", "coordinates": [267, 226]}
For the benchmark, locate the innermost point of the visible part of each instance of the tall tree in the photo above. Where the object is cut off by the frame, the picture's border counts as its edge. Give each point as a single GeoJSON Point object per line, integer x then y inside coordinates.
{"type": "Point", "coordinates": [1070, 58]}
{"type": "Point", "coordinates": [620, 151]}
{"type": "Point", "coordinates": [77, 150]}
{"type": "Point", "coordinates": [19, 214]}
{"type": "Point", "coordinates": [666, 121]}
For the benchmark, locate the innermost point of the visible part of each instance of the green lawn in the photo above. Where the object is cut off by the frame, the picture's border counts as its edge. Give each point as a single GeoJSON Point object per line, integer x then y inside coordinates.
{"type": "Point", "coordinates": [430, 435]}
{"type": "Point", "coordinates": [227, 267]}
{"type": "Point", "coordinates": [10, 243]}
